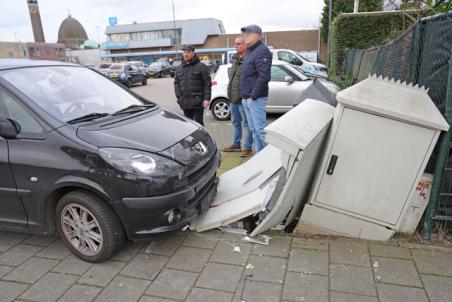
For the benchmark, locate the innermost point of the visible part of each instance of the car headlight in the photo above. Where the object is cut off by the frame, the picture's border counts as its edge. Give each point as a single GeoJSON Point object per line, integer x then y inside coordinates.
{"type": "Point", "coordinates": [142, 163]}
{"type": "Point", "coordinates": [123, 75]}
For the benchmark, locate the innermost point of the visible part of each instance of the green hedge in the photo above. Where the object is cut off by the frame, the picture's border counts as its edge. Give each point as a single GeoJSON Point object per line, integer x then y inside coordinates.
{"type": "Point", "coordinates": [362, 31]}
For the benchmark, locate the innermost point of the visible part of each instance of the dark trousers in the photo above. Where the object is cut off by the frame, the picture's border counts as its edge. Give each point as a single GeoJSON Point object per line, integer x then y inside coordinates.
{"type": "Point", "coordinates": [195, 114]}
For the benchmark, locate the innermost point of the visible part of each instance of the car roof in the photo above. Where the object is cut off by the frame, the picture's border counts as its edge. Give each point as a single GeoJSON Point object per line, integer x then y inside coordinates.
{"type": "Point", "coordinates": [20, 63]}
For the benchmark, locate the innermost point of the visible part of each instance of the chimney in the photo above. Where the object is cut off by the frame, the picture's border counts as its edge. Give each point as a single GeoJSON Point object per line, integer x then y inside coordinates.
{"type": "Point", "coordinates": [35, 18]}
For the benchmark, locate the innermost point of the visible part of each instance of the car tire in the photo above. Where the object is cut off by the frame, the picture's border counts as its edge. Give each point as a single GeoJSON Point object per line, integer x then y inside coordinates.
{"type": "Point", "coordinates": [145, 81]}
{"type": "Point", "coordinates": [79, 212]}
{"type": "Point", "coordinates": [129, 83]}
{"type": "Point", "coordinates": [159, 75]}
{"type": "Point", "coordinates": [221, 110]}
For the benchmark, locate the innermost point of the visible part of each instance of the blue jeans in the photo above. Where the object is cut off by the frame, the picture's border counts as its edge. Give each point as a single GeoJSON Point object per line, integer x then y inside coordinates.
{"type": "Point", "coordinates": [257, 120]}
{"type": "Point", "coordinates": [238, 116]}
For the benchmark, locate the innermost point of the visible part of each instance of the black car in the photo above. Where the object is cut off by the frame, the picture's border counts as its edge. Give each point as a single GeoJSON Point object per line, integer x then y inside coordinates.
{"type": "Point", "coordinates": [92, 160]}
{"type": "Point", "coordinates": [173, 68]}
{"type": "Point", "coordinates": [127, 74]}
{"type": "Point", "coordinates": [159, 69]}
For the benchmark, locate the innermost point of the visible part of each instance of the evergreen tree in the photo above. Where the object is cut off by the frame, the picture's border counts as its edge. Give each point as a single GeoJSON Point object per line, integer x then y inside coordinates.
{"type": "Point", "coordinates": [346, 6]}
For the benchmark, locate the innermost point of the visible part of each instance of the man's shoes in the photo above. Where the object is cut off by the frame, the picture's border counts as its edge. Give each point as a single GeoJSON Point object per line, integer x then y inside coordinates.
{"type": "Point", "coordinates": [246, 153]}
{"type": "Point", "coordinates": [232, 148]}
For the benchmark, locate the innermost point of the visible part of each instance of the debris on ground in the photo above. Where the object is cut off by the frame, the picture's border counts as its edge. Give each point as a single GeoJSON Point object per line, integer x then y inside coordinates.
{"type": "Point", "coordinates": [264, 240]}
{"type": "Point", "coordinates": [249, 266]}
{"type": "Point", "coordinates": [151, 247]}
{"type": "Point", "coordinates": [237, 249]}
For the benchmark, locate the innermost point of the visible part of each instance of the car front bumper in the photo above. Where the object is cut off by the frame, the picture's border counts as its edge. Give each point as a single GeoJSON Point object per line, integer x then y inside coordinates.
{"type": "Point", "coordinates": [148, 217]}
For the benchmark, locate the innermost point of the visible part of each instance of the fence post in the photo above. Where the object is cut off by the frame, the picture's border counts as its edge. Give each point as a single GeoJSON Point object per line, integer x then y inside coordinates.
{"type": "Point", "coordinates": [417, 52]}
{"type": "Point", "coordinates": [440, 164]}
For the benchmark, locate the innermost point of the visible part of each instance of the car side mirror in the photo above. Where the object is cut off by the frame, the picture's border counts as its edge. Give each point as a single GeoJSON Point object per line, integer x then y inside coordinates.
{"type": "Point", "coordinates": [289, 79]}
{"type": "Point", "coordinates": [9, 128]}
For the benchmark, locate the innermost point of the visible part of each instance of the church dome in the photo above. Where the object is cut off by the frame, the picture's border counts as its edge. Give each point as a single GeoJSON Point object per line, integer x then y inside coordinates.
{"type": "Point", "coordinates": [71, 33]}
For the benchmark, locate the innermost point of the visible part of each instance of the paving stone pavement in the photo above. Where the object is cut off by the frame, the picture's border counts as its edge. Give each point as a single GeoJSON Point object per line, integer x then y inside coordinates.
{"type": "Point", "coordinates": [205, 268]}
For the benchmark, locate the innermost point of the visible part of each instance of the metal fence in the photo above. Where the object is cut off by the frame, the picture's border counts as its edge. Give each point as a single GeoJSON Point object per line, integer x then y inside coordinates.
{"type": "Point", "coordinates": [420, 56]}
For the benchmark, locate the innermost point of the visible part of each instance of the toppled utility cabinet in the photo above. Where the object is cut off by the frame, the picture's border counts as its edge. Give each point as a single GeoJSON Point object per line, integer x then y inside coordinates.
{"type": "Point", "coordinates": [382, 136]}
{"type": "Point", "coordinates": [276, 182]}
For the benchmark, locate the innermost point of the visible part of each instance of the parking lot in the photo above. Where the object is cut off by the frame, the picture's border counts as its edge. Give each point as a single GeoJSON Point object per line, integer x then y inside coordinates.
{"type": "Point", "coordinates": [161, 91]}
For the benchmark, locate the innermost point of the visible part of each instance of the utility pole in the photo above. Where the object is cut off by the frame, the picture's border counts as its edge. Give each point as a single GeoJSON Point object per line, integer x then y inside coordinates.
{"type": "Point", "coordinates": [174, 29]}
{"type": "Point", "coordinates": [356, 6]}
{"type": "Point", "coordinates": [330, 14]}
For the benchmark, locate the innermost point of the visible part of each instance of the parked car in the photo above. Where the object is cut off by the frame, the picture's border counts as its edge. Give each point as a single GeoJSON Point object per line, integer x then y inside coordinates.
{"type": "Point", "coordinates": [141, 66]}
{"type": "Point", "coordinates": [90, 159]}
{"type": "Point", "coordinates": [286, 84]}
{"type": "Point", "coordinates": [104, 67]}
{"type": "Point", "coordinates": [159, 69]}
{"type": "Point", "coordinates": [127, 74]}
{"type": "Point", "coordinates": [209, 65]}
{"type": "Point", "coordinates": [174, 67]}
{"type": "Point", "coordinates": [294, 58]}
{"type": "Point", "coordinates": [311, 56]}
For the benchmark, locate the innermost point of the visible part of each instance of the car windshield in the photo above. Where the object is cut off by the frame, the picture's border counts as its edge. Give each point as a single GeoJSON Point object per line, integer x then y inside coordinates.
{"type": "Point", "coordinates": [58, 90]}
{"type": "Point", "coordinates": [104, 66]}
{"type": "Point", "coordinates": [117, 66]}
{"type": "Point", "coordinates": [298, 71]}
{"type": "Point", "coordinates": [177, 63]}
{"type": "Point", "coordinates": [156, 64]}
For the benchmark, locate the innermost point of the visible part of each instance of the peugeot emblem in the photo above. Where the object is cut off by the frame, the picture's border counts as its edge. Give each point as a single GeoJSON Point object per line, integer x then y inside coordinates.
{"type": "Point", "coordinates": [200, 148]}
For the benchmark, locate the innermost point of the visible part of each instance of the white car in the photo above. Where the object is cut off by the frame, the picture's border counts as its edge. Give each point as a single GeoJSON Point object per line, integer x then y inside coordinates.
{"type": "Point", "coordinates": [286, 84]}
{"type": "Point", "coordinates": [294, 58]}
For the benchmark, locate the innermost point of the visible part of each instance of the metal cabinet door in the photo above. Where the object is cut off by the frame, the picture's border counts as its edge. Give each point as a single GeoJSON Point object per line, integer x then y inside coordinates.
{"type": "Point", "coordinates": [12, 212]}
{"type": "Point", "coordinates": [378, 161]}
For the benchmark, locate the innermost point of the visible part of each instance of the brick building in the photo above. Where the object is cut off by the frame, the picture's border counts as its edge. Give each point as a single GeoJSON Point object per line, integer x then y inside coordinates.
{"type": "Point", "coordinates": [33, 50]}
{"type": "Point", "coordinates": [150, 41]}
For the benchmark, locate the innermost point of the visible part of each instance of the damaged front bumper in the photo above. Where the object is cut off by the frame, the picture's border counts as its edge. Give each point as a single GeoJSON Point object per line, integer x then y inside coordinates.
{"type": "Point", "coordinates": [146, 217]}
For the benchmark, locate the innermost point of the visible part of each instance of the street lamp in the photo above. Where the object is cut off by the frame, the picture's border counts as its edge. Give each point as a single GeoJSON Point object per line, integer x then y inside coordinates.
{"type": "Point", "coordinates": [174, 29]}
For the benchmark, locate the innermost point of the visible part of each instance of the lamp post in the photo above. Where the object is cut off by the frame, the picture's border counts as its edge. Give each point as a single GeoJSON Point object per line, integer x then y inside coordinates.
{"type": "Point", "coordinates": [330, 14]}
{"type": "Point", "coordinates": [174, 29]}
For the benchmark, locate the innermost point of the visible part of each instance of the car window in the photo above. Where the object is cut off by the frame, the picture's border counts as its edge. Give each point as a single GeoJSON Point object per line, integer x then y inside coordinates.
{"type": "Point", "coordinates": [18, 113]}
{"type": "Point", "coordinates": [56, 89]}
{"type": "Point", "coordinates": [278, 74]}
{"type": "Point", "coordinates": [289, 58]}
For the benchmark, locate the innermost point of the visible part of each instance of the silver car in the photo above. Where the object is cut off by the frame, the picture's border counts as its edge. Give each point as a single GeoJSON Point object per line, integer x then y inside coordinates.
{"type": "Point", "coordinates": [286, 84]}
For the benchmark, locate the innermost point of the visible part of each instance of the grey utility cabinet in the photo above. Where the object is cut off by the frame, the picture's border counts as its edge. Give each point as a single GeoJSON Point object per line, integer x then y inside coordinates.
{"type": "Point", "coordinates": [382, 136]}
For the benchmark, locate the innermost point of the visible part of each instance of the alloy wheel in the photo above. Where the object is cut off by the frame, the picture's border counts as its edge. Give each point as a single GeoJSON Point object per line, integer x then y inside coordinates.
{"type": "Point", "coordinates": [81, 229]}
{"type": "Point", "coordinates": [221, 110]}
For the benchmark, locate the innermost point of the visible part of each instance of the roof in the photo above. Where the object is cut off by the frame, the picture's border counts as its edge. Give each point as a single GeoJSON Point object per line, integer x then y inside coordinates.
{"type": "Point", "coordinates": [395, 100]}
{"type": "Point", "coordinates": [18, 63]}
{"type": "Point", "coordinates": [194, 31]}
{"type": "Point", "coordinates": [71, 32]}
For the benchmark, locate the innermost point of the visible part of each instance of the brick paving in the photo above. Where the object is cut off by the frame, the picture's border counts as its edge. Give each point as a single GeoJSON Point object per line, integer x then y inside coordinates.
{"type": "Point", "coordinates": [204, 267]}
{"type": "Point", "coordinates": [200, 267]}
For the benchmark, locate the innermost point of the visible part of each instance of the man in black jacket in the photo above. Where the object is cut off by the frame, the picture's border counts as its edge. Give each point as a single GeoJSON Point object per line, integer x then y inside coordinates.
{"type": "Point", "coordinates": [192, 85]}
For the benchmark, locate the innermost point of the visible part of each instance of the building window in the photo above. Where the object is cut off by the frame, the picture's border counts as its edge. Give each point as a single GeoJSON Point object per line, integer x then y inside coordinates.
{"type": "Point", "coordinates": [119, 37]}
{"type": "Point", "coordinates": [10, 53]}
{"type": "Point", "coordinates": [151, 35]}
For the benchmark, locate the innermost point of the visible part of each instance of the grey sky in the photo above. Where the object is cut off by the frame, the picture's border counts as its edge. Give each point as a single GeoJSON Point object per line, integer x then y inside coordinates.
{"type": "Point", "coordinates": [270, 14]}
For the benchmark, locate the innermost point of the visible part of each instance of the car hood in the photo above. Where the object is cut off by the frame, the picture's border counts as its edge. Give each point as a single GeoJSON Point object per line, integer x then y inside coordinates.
{"type": "Point", "coordinates": [154, 131]}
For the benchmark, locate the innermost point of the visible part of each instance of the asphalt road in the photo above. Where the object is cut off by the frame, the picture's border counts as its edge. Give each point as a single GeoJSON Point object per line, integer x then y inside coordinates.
{"type": "Point", "coordinates": [161, 91]}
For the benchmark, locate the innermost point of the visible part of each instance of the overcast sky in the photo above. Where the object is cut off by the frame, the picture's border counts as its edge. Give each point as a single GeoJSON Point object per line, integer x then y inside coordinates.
{"type": "Point", "coordinates": [93, 14]}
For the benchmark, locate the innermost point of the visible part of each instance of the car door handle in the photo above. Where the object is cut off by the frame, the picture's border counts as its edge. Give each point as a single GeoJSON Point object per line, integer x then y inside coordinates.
{"type": "Point", "coordinates": [332, 164]}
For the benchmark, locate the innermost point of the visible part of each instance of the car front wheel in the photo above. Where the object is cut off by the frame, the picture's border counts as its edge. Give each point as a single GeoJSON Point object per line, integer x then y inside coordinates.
{"type": "Point", "coordinates": [221, 110]}
{"type": "Point", "coordinates": [129, 83]}
{"type": "Point", "coordinates": [145, 81]}
{"type": "Point", "coordinates": [88, 226]}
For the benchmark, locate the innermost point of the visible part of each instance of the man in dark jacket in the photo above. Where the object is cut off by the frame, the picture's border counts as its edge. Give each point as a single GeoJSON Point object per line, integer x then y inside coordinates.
{"type": "Point", "coordinates": [254, 83]}
{"type": "Point", "coordinates": [237, 112]}
{"type": "Point", "coordinates": [192, 85]}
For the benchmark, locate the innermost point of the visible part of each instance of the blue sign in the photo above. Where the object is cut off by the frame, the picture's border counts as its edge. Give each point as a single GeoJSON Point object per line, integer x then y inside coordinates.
{"type": "Point", "coordinates": [113, 20]}
{"type": "Point", "coordinates": [115, 45]}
